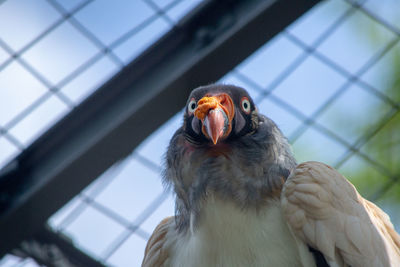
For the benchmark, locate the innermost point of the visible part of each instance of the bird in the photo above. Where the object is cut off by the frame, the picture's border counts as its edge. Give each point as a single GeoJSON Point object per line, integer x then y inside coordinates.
{"type": "Point", "coordinates": [242, 199]}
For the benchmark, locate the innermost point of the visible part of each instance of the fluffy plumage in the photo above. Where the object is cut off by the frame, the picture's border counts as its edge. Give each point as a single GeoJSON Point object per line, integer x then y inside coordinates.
{"type": "Point", "coordinates": [325, 210]}
{"type": "Point", "coordinates": [236, 206]}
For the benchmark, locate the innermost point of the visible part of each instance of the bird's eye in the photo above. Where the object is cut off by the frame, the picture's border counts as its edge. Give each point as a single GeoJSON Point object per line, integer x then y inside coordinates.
{"type": "Point", "coordinates": [192, 106]}
{"type": "Point", "coordinates": [245, 105]}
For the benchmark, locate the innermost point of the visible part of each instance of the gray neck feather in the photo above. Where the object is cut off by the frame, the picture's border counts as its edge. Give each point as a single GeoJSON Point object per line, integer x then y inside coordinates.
{"type": "Point", "coordinates": [250, 173]}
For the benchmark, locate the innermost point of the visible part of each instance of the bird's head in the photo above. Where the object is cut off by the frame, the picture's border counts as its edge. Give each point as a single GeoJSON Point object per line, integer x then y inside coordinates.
{"type": "Point", "coordinates": [218, 113]}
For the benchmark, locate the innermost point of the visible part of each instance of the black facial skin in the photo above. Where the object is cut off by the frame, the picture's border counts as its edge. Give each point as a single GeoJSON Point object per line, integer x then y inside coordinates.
{"type": "Point", "coordinates": [249, 167]}
{"type": "Point", "coordinates": [242, 124]}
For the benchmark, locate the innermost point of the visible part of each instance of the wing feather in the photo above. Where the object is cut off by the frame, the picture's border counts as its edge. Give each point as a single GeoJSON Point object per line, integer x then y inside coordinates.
{"type": "Point", "coordinates": [158, 247]}
{"type": "Point", "coordinates": [325, 210]}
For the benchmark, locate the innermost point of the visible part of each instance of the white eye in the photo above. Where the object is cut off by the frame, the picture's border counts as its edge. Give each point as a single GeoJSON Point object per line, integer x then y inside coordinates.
{"type": "Point", "coordinates": [246, 105]}
{"type": "Point", "coordinates": [192, 106]}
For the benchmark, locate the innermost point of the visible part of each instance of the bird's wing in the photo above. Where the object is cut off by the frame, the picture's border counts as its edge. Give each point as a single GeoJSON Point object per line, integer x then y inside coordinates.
{"type": "Point", "coordinates": [158, 247]}
{"type": "Point", "coordinates": [325, 211]}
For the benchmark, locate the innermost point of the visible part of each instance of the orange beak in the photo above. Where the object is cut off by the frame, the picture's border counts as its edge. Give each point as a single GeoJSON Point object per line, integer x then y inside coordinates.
{"type": "Point", "coordinates": [216, 114]}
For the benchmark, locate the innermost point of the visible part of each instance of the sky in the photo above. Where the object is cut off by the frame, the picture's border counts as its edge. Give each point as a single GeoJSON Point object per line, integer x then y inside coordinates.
{"type": "Point", "coordinates": [110, 219]}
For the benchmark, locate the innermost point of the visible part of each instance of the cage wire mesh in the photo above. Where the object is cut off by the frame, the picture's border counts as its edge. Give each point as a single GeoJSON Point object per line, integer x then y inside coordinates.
{"type": "Point", "coordinates": [329, 80]}
{"type": "Point", "coordinates": [63, 51]}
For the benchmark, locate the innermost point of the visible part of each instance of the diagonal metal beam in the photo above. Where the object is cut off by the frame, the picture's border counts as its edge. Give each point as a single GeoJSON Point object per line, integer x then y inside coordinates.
{"type": "Point", "coordinates": [49, 248]}
{"type": "Point", "coordinates": [206, 44]}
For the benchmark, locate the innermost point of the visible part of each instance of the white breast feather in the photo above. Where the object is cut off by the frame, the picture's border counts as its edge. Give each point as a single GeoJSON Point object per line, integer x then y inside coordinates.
{"type": "Point", "coordinates": [228, 236]}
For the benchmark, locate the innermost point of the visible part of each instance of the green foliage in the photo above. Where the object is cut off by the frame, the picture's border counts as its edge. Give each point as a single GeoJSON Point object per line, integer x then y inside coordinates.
{"type": "Point", "coordinates": [384, 146]}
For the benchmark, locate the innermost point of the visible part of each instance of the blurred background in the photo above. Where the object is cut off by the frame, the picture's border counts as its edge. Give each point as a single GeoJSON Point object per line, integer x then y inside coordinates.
{"type": "Point", "coordinates": [92, 91]}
